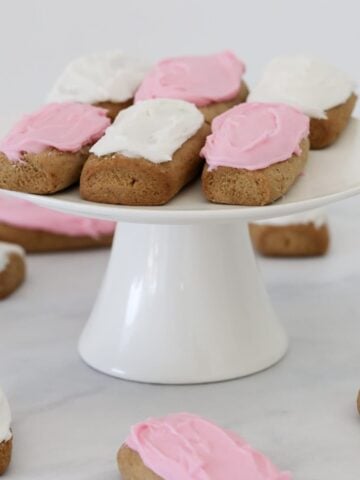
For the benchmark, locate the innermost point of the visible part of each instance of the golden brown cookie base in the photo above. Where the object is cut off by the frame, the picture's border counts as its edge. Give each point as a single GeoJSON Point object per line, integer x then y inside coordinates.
{"type": "Point", "coordinates": [293, 240]}
{"type": "Point", "coordinates": [237, 186]}
{"type": "Point", "coordinates": [13, 275]}
{"type": "Point", "coordinates": [42, 173]}
{"type": "Point", "coordinates": [121, 180]}
{"type": "Point", "coordinates": [5, 455]}
{"type": "Point", "coordinates": [132, 467]}
{"type": "Point", "coordinates": [37, 241]}
{"type": "Point", "coordinates": [214, 109]}
{"type": "Point", "coordinates": [114, 108]}
{"type": "Point", "coordinates": [325, 131]}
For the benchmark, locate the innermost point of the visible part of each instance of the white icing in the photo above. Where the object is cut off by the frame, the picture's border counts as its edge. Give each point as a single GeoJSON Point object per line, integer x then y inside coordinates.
{"type": "Point", "coordinates": [306, 83]}
{"type": "Point", "coordinates": [5, 250]}
{"type": "Point", "coordinates": [152, 129]}
{"type": "Point", "coordinates": [316, 217]}
{"type": "Point", "coordinates": [5, 418]}
{"type": "Point", "coordinates": [99, 77]}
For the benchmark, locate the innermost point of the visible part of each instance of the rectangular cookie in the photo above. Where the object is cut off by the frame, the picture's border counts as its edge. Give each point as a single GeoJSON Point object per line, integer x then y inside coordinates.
{"type": "Point", "coordinates": [122, 173]}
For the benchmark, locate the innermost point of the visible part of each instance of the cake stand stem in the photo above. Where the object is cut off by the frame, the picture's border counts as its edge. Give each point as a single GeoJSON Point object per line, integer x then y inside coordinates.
{"type": "Point", "coordinates": [182, 304]}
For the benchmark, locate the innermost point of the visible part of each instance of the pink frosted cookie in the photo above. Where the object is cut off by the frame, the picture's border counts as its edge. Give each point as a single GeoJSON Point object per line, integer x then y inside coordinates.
{"type": "Point", "coordinates": [212, 82]}
{"type": "Point", "coordinates": [39, 229]}
{"type": "Point", "coordinates": [45, 151]}
{"type": "Point", "coordinates": [187, 447]}
{"type": "Point", "coordinates": [254, 154]}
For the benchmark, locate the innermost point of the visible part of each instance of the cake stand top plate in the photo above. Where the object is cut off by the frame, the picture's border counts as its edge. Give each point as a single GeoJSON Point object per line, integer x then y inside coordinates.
{"type": "Point", "coordinates": [331, 174]}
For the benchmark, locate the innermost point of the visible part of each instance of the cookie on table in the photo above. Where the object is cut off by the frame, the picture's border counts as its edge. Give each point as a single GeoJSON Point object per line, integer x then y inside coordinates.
{"type": "Point", "coordinates": [319, 90]}
{"type": "Point", "coordinates": [12, 268]}
{"type": "Point", "coordinates": [300, 235]}
{"type": "Point", "coordinates": [254, 154]}
{"type": "Point", "coordinates": [185, 446]}
{"type": "Point", "coordinates": [45, 151]}
{"type": "Point", "coordinates": [5, 433]}
{"type": "Point", "coordinates": [147, 155]}
{"type": "Point", "coordinates": [212, 82]}
{"type": "Point", "coordinates": [107, 79]}
{"type": "Point", "coordinates": [39, 229]}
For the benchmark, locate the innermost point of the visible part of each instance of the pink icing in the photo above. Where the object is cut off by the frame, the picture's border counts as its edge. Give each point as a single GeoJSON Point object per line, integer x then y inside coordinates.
{"type": "Point", "coordinates": [197, 79]}
{"type": "Point", "coordinates": [255, 135]}
{"type": "Point", "coordinates": [22, 214]}
{"type": "Point", "coordinates": [64, 126]}
{"type": "Point", "coordinates": [186, 447]}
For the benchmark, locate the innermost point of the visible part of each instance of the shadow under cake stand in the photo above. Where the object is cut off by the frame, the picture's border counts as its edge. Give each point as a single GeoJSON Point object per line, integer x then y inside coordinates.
{"type": "Point", "coordinates": [182, 300]}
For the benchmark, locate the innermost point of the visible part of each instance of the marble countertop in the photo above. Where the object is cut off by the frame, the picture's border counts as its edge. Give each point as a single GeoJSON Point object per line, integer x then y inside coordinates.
{"type": "Point", "coordinates": [70, 420]}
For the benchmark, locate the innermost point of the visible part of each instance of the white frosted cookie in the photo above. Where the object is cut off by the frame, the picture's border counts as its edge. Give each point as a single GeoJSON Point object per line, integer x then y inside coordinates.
{"type": "Point", "coordinates": [304, 234]}
{"type": "Point", "coordinates": [5, 433]}
{"type": "Point", "coordinates": [12, 268]}
{"type": "Point", "coordinates": [108, 79]}
{"type": "Point", "coordinates": [321, 91]}
{"type": "Point", "coordinates": [151, 151]}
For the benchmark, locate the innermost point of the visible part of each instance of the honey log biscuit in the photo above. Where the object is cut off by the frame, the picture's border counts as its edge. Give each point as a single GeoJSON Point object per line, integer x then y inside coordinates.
{"type": "Point", "coordinates": [183, 446]}
{"type": "Point", "coordinates": [12, 268]}
{"type": "Point", "coordinates": [113, 108]}
{"type": "Point", "coordinates": [214, 109]}
{"type": "Point", "coordinates": [107, 80]}
{"type": "Point", "coordinates": [38, 229]}
{"type": "Point", "coordinates": [132, 467]}
{"type": "Point", "coordinates": [5, 455]}
{"type": "Point", "coordinates": [325, 131]}
{"type": "Point", "coordinates": [39, 241]}
{"type": "Point", "coordinates": [45, 151]}
{"type": "Point", "coordinates": [42, 173]}
{"type": "Point", "coordinates": [299, 235]}
{"type": "Point", "coordinates": [150, 153]}
{"type": "Point", "coordinates": [212, 82]}
{"type": "Point", "coordinates": [250, 157]}
{"type": "Point", "coordinates": [319, 90]}
{"type": "Point", "coordinates": [6, 436]}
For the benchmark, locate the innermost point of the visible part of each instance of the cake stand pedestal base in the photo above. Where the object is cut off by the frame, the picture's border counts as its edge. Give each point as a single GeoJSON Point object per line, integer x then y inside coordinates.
{"type": "Point", "coordinates": [182, 304]}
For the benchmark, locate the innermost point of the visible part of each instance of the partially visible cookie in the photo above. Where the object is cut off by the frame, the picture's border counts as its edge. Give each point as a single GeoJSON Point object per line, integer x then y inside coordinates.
{"type": "Point", "coordinates": [299, 235]}
{"type": "Point", "coordinates": [321, 91]}
{"type": "Point", "coordinates": [12, 268]}
{"type": "Point", "coordinates": [107, 79]}
{"type": "Point", "coordinates": [185, 446]}
{"type": "Point", "coordinates": [325, 131]}
{"type": "Point", "coordinates": [213, 83]}
{"type": "Point", "coordinates": [254, 154]}
{"type": "Point", "coordinates": [45, 151]}
{"type": "Point", "coordinates": [5, 455]}
{"type": "Point", "coordinates": [6, 437]}
{"type": "Point", "coordinates": [38, 229]}
{"type": "Point", "coordinates": [149, 153]}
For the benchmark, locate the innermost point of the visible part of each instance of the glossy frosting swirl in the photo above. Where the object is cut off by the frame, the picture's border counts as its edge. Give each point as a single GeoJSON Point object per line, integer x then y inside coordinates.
{"type": "Point", "coordinates": [64, 126]}
{"type": "Point", "coordinates": [255, 135]}
{"type": "Point", "coordinates": [99, 77]}
{"type": "Point", "coordinates": [187, 447]}
{"type": "Point", "coordinates": [197, 79]}
{"type": "Point", "coordinates": [5, 418]}
{"type": "Point", "coordinates": [306, 83]}
{"type": "Point", "coordinates": [152, 129]}
{"type": "Point", "coordinates": [27, 215]}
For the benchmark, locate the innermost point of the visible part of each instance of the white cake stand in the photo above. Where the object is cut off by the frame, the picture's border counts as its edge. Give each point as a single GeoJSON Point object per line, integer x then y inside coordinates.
{"type": "Point", "coordinates": [182, 300]}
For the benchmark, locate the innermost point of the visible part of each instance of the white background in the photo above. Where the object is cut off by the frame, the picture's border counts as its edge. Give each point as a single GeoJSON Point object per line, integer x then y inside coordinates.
{"type": "Point", "coordinates": [38, 37]}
